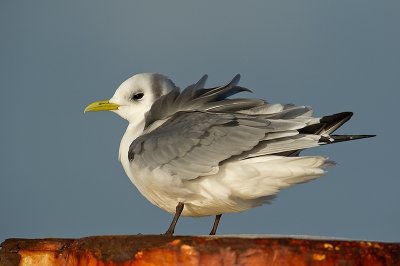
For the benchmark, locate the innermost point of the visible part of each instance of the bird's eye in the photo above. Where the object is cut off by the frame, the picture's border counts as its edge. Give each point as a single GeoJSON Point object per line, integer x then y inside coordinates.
{"type": "Point", "coordinates": [138, 96]}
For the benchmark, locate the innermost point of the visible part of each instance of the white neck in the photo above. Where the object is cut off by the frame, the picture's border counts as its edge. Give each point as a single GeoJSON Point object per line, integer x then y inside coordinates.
{"type": "Point", "coordinates": [132, 132]}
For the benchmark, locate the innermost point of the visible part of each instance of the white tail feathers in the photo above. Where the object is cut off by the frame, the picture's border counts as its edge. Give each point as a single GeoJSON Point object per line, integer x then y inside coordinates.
{"type": "Point", "coordinates": [265, 176]}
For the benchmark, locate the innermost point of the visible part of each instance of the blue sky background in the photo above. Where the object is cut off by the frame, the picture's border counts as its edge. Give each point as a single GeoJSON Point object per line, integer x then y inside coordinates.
{"type": "Point", "coordinates": [59, 174]}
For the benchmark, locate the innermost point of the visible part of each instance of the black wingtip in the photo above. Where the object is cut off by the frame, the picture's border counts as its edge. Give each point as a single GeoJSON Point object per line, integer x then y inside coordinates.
{"type": "Point", "coordinates": [335, 121]}
{"type": "Point", "coordinates": [340, 138]}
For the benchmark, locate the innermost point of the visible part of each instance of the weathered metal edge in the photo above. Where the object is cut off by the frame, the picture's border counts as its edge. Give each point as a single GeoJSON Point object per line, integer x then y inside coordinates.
{"type": "Point", "coordinates": [196, 250]}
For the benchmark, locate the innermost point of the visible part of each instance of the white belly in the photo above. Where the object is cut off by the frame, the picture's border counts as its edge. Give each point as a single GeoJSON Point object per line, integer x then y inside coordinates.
{"type": "Point", "coordinates": [238, 186]}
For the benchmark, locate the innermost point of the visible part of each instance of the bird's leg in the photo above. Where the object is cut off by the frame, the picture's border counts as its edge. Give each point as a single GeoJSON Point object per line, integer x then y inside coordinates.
{"type": "Point", "coordinates": [179, 209]}
{"type": "Point", "coordinates": [214, 229]}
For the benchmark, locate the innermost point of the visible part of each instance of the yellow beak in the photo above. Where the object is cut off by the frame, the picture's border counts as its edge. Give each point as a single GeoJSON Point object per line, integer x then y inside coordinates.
{"type": "Point", "coordinates": [104, 105]}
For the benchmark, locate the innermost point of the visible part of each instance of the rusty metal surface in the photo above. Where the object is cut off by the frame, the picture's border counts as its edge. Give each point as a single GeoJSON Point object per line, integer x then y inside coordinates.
{"type": "Point", "coordinates": [187, 250]}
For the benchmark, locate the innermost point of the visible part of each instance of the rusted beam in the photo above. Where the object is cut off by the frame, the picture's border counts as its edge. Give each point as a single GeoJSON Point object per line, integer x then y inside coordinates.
{"type": "Point", "coordinates": [188, 250]}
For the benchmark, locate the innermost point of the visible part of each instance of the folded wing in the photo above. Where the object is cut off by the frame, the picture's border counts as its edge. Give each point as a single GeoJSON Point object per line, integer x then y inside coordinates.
{"type": "Point", "coordinates": [191, 133]}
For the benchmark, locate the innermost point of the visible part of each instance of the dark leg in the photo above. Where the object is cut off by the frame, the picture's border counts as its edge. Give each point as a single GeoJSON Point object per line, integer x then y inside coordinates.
{"type": "Point", "coordinates": [214, 229]}
{"type": "Point", "coordinates": [179, 209]}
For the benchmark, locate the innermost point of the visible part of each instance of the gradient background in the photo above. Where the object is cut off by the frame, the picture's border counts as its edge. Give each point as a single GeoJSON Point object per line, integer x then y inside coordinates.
{"type": "Point", "coordinates": [60, 176]}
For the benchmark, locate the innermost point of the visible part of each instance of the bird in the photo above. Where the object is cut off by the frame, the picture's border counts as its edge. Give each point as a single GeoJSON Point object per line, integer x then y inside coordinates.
{"type": "Point", "coordinates": [199, 152]}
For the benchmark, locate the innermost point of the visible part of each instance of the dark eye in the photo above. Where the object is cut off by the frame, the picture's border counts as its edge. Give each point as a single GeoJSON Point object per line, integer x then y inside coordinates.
{"type": "Point", "coordinates": [138, 96]}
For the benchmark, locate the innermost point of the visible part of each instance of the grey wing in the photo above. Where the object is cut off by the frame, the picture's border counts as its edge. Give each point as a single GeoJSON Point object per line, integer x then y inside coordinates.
{"type": "Point", "coordinates": [195, 97]}
{"type": "Point", "coordinates": [193, 144]}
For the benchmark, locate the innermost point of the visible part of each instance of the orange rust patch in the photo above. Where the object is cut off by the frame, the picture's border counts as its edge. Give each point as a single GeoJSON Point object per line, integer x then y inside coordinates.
{"type": "Point", "coordinates": [139, 255]}
{"type": "Point", "coordinates": [318, 257]}
{"type": "Point", "coordinates": [175, 242]}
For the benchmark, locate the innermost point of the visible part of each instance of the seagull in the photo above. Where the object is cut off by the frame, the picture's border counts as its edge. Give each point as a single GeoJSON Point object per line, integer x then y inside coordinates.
{"type": "Point", "coordinates": [198, 152]}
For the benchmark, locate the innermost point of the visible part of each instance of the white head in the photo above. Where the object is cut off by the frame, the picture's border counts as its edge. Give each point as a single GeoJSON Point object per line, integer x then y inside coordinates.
{"type": "Point", "coordinates": [134, 97]}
